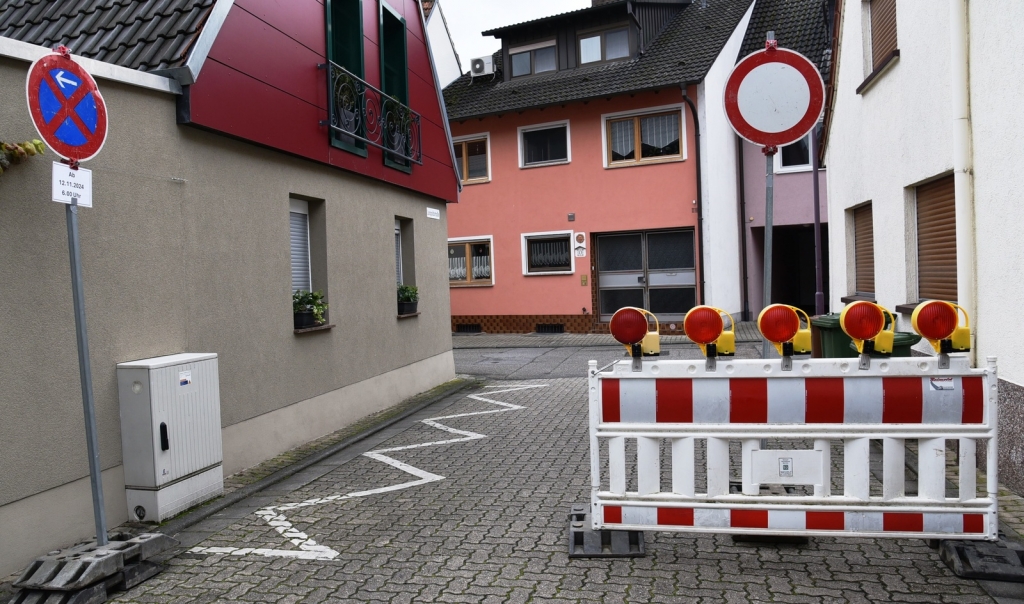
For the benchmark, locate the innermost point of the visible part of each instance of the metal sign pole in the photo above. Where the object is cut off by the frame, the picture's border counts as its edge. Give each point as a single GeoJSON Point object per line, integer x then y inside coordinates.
{"type": "Point", "coordinates": [769, 154]}
{"type": "Point", "coordinates": [85, 372]}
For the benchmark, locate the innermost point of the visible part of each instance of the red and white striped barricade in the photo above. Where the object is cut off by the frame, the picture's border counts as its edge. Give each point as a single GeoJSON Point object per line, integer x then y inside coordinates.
{"type": "Point", "coordinates": [669, 407]}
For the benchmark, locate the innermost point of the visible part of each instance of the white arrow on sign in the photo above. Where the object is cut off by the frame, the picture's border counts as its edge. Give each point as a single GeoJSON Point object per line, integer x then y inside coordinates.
{"type": "Point", "coordinates": [61, 80]}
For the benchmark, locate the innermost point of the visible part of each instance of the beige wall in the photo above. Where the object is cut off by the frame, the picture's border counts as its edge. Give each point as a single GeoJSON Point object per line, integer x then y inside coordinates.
{"type": "Point", "coordinates": [186, 250]}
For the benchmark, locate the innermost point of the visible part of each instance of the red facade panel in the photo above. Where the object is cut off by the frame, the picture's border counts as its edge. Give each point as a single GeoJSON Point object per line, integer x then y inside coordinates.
{"type": "Point", "coordinates": [261, 83]}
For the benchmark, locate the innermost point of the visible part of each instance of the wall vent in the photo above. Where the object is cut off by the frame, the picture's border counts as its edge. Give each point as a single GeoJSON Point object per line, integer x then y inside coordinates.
{"type": "Point", "coordinates": [468, 328]}
{"type": "Point", "coordinates": [550, 328]}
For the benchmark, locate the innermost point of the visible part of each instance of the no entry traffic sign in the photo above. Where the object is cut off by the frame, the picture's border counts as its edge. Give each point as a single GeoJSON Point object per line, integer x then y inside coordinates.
{"type": "Point", "coordinates": [774, 97]}
{"type": "Point", "coordinates": [66, 107]}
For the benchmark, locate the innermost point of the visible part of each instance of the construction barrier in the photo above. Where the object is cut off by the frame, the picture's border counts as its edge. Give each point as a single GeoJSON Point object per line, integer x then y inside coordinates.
{"type": "Point", "coordinates": [776, 478]}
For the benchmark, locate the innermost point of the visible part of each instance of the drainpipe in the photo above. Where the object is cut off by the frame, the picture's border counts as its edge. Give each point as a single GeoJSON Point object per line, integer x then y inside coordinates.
{"type": "Point", "coordinates": [700, 200]}
{"type": "Point", "coordinates": [963, 167]}
{"type": "Point", "coordinates": [741, 201]}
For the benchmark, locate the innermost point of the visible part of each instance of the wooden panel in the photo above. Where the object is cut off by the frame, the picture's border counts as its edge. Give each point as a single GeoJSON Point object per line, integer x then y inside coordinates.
{"type": "Point", "coordinates": [936, 240]}
{"type": "Point", "coordinates": [883, 30]}
{"type": "Point", "coordinates": [302, 20]}
{"type": "Point", "coordinates": [864, 249]}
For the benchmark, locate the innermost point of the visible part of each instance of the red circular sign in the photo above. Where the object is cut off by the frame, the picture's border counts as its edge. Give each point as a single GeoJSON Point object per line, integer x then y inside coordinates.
{"type": "Point", "coordinates": [774, 97]}
{"type": "Point", "coordinates": [66, 107]}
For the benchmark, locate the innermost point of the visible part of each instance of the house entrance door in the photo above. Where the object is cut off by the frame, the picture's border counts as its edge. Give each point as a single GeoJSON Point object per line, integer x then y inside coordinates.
{"type": "Point", "coordinates": [653, 270]}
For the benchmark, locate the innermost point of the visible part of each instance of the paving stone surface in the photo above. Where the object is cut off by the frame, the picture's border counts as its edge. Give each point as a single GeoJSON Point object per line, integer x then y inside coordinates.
{"type": "Point", "coordinates": [746, 331]}
{"type": "Point", "coordinates": [494, 530]}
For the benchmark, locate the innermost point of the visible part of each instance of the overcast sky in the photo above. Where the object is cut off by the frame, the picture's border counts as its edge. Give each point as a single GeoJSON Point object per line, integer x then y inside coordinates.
{"type": "Point", "coordinates": [467, 18]}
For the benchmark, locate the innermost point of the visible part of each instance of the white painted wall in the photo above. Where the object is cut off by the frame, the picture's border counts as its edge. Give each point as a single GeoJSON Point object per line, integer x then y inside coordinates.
{"type": "Point", "coordinates": [720, 243]}
{"type": "Point", "coordinates": [898, 133]}
{"type": "Point", "coordinates": [446, 60]}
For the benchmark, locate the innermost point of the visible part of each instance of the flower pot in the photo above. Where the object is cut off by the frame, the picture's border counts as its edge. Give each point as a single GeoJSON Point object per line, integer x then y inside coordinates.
{"type": "Point", "coordinates": [304, 320]}
{"type": "Point", "coordinates": [407, 308]}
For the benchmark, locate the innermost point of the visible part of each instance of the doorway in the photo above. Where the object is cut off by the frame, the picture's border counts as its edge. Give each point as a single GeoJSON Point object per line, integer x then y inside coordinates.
{"type": "Point", "coordinates": [653, 270]}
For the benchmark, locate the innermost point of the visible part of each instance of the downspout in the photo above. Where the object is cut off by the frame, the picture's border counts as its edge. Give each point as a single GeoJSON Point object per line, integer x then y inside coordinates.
{"type": "Point", "coordinates": [700, 200]}
{"type": "Point", "coordinates": [963, 167]}
{"type": "Point", "coordinates": [742, 201]}
{"type": "Point", "coordinates": [440, 95]}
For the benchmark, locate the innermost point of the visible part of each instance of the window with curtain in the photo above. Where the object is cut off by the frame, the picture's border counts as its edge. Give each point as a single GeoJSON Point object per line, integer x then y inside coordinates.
{"type": "Point", "coordinates": [469, 263]}
{"type": "Point", "coordinates": [659, 135]}
{"type": "Point", "coordinates": [549, 254]}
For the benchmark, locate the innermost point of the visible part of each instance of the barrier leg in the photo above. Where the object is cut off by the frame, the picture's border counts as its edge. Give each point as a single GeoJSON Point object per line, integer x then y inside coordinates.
{"type": "Point", "coordinates": [682, 466]}
{"type": "Point", "coordinates": [931, 469]}
{"type": "Point", "coordinates": [825, 488]}
{"type": "Point", "coordinates": [857, 473]}
{"type": "Point", "coordinates": [648, 465]}
{"type": "Point", "coordinates": [968, 469]}
{"type": "Point", "coordinates": [747, 466]}
{"type": "Point", "coordinates": [894, 465]}
{"type": "Point", "coordinates": [718, 467]}
{"type": "Point", "coordinates": [617, 465]}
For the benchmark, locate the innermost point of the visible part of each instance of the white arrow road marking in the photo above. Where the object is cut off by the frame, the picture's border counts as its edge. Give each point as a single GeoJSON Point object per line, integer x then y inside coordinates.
{"type": "Point", "coordinates": [61, 80]}
{"type": "Point", "coordinates": [310, 549]}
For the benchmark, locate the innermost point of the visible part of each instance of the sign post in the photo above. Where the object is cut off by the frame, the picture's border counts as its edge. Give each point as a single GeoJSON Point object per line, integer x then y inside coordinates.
{"type": "Point", "coordinates": [71, 117]}
{"type": "Point", "coordinates": [773, 97]}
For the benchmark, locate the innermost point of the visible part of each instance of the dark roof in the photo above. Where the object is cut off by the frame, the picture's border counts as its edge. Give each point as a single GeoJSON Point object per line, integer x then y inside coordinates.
{"type": "Point", "coordinates": [799, 25]}
{"type": "Point", "coordinates": [580, 11]}
{"type": "Point", "coordinates": [682, 54]}
{"type": "Point", "coordinates": [148, 35]}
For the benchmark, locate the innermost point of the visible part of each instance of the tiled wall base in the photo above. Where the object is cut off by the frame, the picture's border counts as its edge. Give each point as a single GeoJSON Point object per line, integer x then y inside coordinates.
{"type": "Point", "coordinates": [528, 323]}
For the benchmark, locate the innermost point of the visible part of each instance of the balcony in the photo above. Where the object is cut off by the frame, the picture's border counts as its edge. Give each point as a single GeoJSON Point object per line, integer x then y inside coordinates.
{"type": "Point", "coordinates": [366, 114]}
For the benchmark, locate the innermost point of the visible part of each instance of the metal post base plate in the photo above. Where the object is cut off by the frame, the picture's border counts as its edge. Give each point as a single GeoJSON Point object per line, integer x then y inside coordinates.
{"type": "Point", "coordinates": [585, 542]}
{"type": "Point", "coordinates": [1002, 560]}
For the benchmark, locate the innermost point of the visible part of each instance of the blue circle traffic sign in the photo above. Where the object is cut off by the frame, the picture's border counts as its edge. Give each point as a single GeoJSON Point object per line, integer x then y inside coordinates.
{"type": "Point", "coordinates": [66, 107]}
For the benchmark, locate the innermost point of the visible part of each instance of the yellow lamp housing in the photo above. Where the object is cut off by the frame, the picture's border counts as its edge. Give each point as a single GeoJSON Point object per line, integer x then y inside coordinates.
{"type": "Point", "coordinates": [939, 322]}
{"type": "Point", "coordinates": [629, 326]}
{"type": "Point", "coordinates": [780, 324]}
{"type": "Point", "coordinates": [865, 322]}
{"type": "Point", "coordinates": [704, 326]}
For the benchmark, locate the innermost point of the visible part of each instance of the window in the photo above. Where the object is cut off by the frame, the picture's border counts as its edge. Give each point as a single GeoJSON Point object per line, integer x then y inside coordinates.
{"type": "Point", "coordinates": [604, 46]}
{"type": "Point", "coordinates": [883, 32]}
{"type": "Point", "coordinates": [345, 48]}
{"type": "Point", "coordinates": [864, 250]}
{"type": "Point", "coordinates": [548, 253]}
{"type": "Point", "coordinates": [470, 261]}
{"type": "Point", "coordinates": [534, 58]}
{"type": "Point", "coordinates": [472, 158]}
{"type": "Point", "coordinates": [298, 222]}
{"type": "Point", "coordinates": [660, 136]}
{"type": "Point", "coordinates": [936, 240]}
{"type": "Point", "coordinates": [544, 144]}
{"type": "Point", "coordinates": [405, 257]}
{"type": "Point", "coordinates": [394, 73]}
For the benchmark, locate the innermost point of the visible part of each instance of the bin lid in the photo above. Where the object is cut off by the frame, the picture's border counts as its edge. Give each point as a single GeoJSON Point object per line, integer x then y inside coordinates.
{"type": "Point", "coordinates": [168, 361]}
{"type": "Point", "coordinates": [900, 339]}
{"type": "Point", "coordinates": [831, 320]}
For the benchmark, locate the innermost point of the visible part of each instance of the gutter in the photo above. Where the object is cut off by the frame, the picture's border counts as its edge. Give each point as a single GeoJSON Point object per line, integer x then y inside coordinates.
{"type": "Point", "coordinates": [188, 73]}
{"type": "Point", "coordinates": [700, 197]}
{"type": "Point", "coordinates": [742, 201]}
{"type": "Point", "coordinates": [440, 95]}
{"type": "Point", "coordinates": [963, 166]}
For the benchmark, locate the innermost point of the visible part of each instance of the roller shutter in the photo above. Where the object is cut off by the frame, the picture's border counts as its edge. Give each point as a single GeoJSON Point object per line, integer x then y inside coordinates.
{"type": "Point", "coordinates": [936, 240]}
{"type": "Point", "coordinates": [883, 30]}
{"type": "Point", "coordinates": [864, 250]}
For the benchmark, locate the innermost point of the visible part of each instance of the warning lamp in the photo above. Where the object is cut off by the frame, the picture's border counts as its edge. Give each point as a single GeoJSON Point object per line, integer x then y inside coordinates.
{"type": "Point", "coordinates": [865, 322]}
{"type": "Point", "coordinates": [705, 327]}
{"type": "Point", "coordinates": [629, 328]}
{"type": "Point", "coordinates": [780, 325]}
{"type": "Point", "coordinates": [939, 323]}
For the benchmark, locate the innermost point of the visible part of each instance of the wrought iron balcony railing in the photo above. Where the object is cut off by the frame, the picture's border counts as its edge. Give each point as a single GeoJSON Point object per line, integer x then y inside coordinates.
{"type": "Point", "coordinates": [360, 111]}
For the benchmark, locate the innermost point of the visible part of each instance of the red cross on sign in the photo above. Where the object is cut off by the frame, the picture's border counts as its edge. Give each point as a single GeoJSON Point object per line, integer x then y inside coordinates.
{"type": "Point", "coordinates": [66, 107]}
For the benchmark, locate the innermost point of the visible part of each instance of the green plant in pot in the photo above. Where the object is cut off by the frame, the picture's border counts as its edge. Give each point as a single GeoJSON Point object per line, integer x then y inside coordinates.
{"type": "Point", "coordinates": [309, 308]}
{"type": "Point", "coordinates": [408, 297]}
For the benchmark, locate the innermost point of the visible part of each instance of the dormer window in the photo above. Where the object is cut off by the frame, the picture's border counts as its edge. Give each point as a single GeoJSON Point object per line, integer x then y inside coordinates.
{"type": "Point", "coordinates": [533, 58]}
{"type": "Point", "coordinates": [607, 45]}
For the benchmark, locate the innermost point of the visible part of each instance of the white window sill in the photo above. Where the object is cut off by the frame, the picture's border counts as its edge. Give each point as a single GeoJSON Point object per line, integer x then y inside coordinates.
{"type": "Point", "coordinates": [548, 274]}
{"type": "Point", "coordinates": [545, 164]}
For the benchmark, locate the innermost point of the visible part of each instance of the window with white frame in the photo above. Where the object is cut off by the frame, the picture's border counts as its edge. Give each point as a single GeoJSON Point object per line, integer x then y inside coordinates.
{"type": "Point", "coordinates": [548, 253]}
{"type": "Point", "coordinates": [533, 58]}
{"type": "Point", "coordinates": [298, 223]}
{"type": "Point", "coordinates": [795, 157]}
{"type": "Point", "coordinates": [656, 135]}
{"type": "Point", "coordinates": [470, 261]}
{"type": "Point", "coordinates": [473, 158]}
{"type": "Point", "coordinates": [544, 144]}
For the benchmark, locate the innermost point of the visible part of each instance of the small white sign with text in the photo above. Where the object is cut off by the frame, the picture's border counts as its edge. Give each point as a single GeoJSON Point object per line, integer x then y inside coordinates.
{"type": "Point", "coordinates": [434, 213]}
{"type": "Point", "coordinates": [71, 185]}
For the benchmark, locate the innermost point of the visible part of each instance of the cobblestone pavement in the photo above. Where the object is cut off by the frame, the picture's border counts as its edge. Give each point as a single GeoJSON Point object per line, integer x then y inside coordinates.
{"type": "Point", "coordinates": [490, 526]}
{"type": "Point", "coordinates": [746, 331]}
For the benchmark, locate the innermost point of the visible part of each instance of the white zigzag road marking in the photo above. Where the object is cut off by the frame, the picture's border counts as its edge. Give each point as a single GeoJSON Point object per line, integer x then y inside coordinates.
{"type": "Point", "coordinates": [310, 549]}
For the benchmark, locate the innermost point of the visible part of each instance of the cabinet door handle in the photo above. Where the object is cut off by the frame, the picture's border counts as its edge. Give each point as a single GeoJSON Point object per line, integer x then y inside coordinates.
{"type": "Point", "coordinates": [165, 440]}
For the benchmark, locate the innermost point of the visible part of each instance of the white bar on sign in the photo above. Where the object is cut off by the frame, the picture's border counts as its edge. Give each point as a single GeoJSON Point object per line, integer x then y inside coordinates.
{"type": "Point", "coordinates": [968, 469]}
{"type": "Point", "coordinates": [825, 488]}
{"type": "Point", "coordinates": [750, 449]}
{"type": "Point", "coordinates": [893, 468]}
{"type": "Point", "coordinates": [617, 465]}
{"type": "Point", "coordinates": [648, 465]}
{"type": "Point", "coordinates": [718, 466]}
{"type": "Point", "coordinates": [637, 403]}
{"type": "Point", "coordinates": [639, 515]}
{"type": "Point", "coordinates": [856, 471]}
{"type": "Point", "coordinates": [931, 468]}
{"type": "Point", "coordinates": [71, 186]}
{"type": "Point", "coordinates": [682, 466]}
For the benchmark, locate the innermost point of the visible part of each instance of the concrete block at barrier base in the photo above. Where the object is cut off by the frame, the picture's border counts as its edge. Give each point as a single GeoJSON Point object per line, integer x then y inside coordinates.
{"type": "Point", "coordinates": [584, 542]}
{"type": "Point", "coordinates": [999, 561]}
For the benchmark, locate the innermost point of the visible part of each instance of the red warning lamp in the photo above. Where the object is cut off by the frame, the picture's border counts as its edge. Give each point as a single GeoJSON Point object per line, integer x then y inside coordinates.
{"type": "Point", "coordinates": [705, 327]}
{"type": "Point", "coordinates": [939, 323]}
{"type": "Point", "coordinates": [864, 322]}
{"type": "Point", "coordinates": [629, 328]}
{"type": "Point", "coordinates": [780, 325]}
